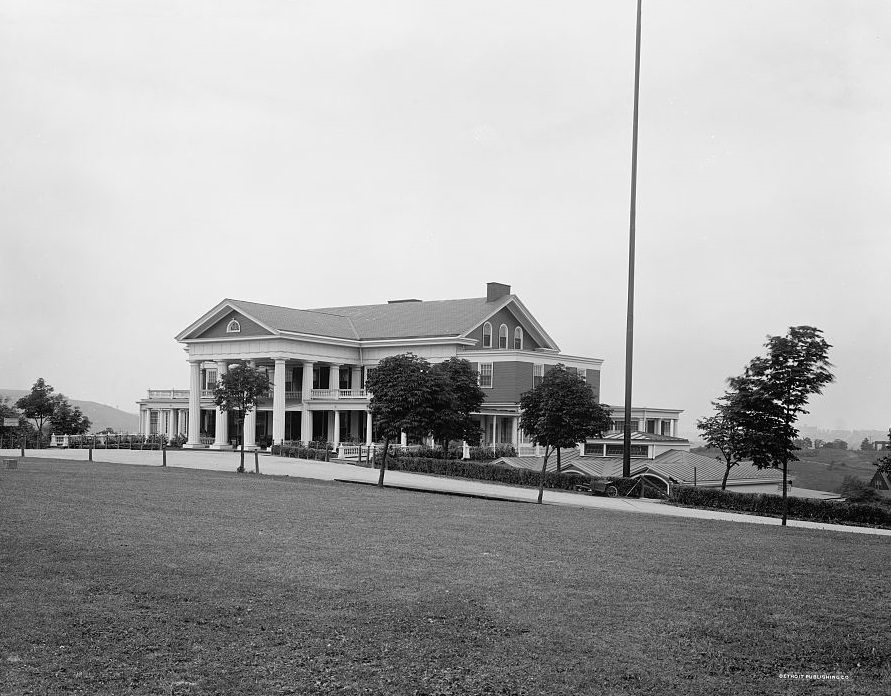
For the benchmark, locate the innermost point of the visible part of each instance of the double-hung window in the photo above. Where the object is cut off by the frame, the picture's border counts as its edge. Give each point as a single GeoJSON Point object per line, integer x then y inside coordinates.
{"type": "Point", "coordinates": [518, 338]}
{"type": "Point", "coordinates": [486, 375]}
{"type": "Point", "coordinates": [537, 374]}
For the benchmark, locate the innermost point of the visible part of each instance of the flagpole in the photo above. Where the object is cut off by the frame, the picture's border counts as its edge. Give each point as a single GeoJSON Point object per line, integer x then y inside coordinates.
{"type": "Point", "coordinates": [629, 330]}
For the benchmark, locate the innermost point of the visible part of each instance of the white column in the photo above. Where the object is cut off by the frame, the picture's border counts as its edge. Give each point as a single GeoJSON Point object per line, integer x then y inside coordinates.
{"type": "Point", "coordinates": [335, 438]}
{"type": "Point", "coordinates": [403, 439]}
{"type": "Point", "coordinates": [367, 427]}
{"type": "Point", "coordinates": [306, 416]}
{"type": "Point", "coordinates": [334, 378]}
{"type": "Point", "coordinates": [221, 441]}
{"type": "Point", "coordinates": [278, 401]}
{"type": "Point", "coordinates": [494, 430]}
{"type": "Point", "coordinates": [250, 421]}
{"type": "Point", "coordinates": [515, 432]}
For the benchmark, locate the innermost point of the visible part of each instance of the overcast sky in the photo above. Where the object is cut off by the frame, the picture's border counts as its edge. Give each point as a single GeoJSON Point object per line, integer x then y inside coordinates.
{"type": "Point", "coordinates": [157, 157]}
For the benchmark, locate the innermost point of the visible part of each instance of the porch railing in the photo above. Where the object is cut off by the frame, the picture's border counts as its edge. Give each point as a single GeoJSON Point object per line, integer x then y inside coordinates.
{"type": "Point", "coordinates": [338, 394]}
{"type": "Point", "coordinates": [168, 393]}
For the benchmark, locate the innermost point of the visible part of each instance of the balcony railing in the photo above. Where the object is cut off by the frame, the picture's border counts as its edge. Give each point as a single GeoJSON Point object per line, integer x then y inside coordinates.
{"type": "Point", "coordinates": [321, 394]}
{"type": "Point", "coordinates": [338, 394]}
{"type": "Point", "coordinates": [168, 393]}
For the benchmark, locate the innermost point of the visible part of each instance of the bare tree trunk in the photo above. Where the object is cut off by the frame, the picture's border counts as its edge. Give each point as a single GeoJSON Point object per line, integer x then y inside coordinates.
{"type": "Point", "coordinates": [726, 474]}
{"type": "Point", "coordinates": [544, 469]}
{"type": "Point", "coordinates": [380, 480]}
{"type": "Point", "coordinates": [785, 498]}
{"type": "Point", "coordinates": [558, 460]}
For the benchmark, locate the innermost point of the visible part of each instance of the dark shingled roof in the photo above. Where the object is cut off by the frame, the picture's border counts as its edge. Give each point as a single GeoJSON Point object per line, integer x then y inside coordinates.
{"type": "Point", "coordinates": [312, 322]}
{"type": "Point", "coordinates": [380, 321]}
{"type": "Point", "coordinates": [415, 319]}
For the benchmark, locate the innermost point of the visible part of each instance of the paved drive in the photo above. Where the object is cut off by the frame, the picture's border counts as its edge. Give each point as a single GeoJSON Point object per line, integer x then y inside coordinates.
{"type": "Point", "coordinates": [228, 461]}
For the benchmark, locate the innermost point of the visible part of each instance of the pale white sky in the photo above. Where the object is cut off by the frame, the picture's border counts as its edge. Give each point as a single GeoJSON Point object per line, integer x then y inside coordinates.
{"type": "Point", "coordinates": [156, 157]}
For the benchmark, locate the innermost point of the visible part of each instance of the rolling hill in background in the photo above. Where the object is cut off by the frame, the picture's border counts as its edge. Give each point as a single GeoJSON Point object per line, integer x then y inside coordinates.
{"type": "Point", "coordinates": [100, 415]}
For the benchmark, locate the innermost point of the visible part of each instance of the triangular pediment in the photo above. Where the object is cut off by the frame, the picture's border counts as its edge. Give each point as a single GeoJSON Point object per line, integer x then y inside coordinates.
{"type": "Point", "coordinates": [225, 321]}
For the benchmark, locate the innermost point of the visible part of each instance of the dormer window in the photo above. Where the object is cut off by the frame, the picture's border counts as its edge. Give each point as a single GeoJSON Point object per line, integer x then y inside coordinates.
{"type": "Point", "coordinates": [233, 327]}
{"type": "Point", "coordinates": [518, 338]}
{"type": "Point", "coordinates": [487, 335]}
{"type": "Point", "coordinates": [502, 336]}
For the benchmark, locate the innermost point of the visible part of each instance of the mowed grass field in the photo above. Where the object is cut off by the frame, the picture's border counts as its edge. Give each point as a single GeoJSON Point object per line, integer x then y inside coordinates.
{"type": "Point", "coordinates": [120, 579]}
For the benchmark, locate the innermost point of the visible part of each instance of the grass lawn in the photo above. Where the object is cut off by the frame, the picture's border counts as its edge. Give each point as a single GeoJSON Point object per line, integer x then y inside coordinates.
{"type": "Point", "coordinates": [120, 579]}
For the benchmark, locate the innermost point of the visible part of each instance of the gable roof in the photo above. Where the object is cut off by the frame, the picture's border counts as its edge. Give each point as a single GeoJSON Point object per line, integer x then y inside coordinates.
{"type": "Point", "coordinates": [391, 321]}
{"type": "Point", "coordinates": [679, 465]}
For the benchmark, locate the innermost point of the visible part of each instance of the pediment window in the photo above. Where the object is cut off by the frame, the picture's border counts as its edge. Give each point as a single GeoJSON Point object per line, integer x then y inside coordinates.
{"type": "Point", "coordinates": [233, 327]}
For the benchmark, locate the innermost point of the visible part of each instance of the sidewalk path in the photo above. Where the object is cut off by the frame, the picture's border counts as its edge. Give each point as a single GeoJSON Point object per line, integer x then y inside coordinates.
{"type": "Point", "coordinates": [331, 471]}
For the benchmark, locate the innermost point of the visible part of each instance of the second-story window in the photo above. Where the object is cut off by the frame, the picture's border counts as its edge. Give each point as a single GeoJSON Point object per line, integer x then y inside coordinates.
{"type": "Point", "coordinates": [537, 374]}
{"type": "Point", "coordinates": [233, 327]}
{"type": "Point", "coordinates": [210, 377]}
{"type": "Point", "coordinates": [518, 338]}
{"type": "Point", "coordinates": [487, 335]}
{"type": "Point", "coordinates": [502, 336]}
{"type": "Point", "coordinates": [486, 375]}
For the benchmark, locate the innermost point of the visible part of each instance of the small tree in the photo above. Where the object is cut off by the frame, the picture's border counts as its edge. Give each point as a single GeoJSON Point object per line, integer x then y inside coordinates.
{"type": "Point", "coordinates": [884, 463]}
{"type": "Point", "coordinates": [738, 427]}
{"type": "Point", "coordinates": [796, 367]}
{"type": "Point", "coordinates": [7, 411]}
{"type": "Point", "coordinates": [38, 405]}
{"type": "Point", "coordinates": [865, 445]}
{"type": "Point", "coordinates": [400, 399]}
{"type": "Point", "coordinates": [67, 420]}
{"type": "Point", "coordinates": [561, 412]}
{"type": "Point", "coordinates": [238, 391]}
{"type": "Point", "coordinates": [455, 393]}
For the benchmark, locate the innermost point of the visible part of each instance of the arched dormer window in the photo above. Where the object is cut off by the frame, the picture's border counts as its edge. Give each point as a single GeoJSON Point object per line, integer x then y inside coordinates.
{"type": "Point", "coordinates": [518, 338]}
{"type": "Point", "coordinates": [502, 336]}
{"type": "Point", "coordinates": [233, 327]}
{"type": "Point", "coordinates": [487, 335]}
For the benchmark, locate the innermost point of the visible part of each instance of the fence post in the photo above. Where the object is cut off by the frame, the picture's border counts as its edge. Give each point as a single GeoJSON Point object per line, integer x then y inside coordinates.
{"type": "Point", "coordinates": [256, 462]}
{"type": "Point", "coordinates": [22, 441]}
{"type": "Point", "coordinates": [163, 454]}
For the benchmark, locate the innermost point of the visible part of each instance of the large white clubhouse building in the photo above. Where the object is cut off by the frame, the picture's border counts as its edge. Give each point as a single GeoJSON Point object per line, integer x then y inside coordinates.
{"type": "Point", "coordinates": [317, 361]}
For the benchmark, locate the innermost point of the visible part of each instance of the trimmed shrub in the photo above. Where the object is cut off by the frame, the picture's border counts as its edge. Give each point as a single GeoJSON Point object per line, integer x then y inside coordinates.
{"type": "Point", "coordinates": [809, 509]}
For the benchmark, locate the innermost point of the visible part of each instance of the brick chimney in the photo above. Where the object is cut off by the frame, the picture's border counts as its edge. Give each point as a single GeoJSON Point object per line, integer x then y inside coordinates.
{"type": "Point", "coordinates": [495, 291]}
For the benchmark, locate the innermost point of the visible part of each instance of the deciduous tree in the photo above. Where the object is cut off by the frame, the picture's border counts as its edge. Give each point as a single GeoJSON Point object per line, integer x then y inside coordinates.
{"type": "Point", "coordinates": [400, 402]}
{"type": "Point", "coordinates": [68, 420]}
{"type": "Point", "coordinates": [739, 427]}
{"type": "Point", "coordinates": [238, 391]}
{"type": "Point", "coordinates": [561, 412]}
{"type": "Point", "coordinates": [884, 463]}
{"type": "Point", "coordinates": [38, 405]}
{"type": "Point", "coordinates": [795, 368]}
{"type": "Point", "coordinates": [455, 394]}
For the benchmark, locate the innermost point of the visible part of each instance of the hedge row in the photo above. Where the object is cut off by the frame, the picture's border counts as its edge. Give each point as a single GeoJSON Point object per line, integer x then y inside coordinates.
{"type": "Point", "coordinates": [810, 509]}
{"type": "Point", "coordinates": [301, 452]}
{"type": "Point", "coordinates": [477, 454]}
{"type": "Point", "coordinates": [482, 471]}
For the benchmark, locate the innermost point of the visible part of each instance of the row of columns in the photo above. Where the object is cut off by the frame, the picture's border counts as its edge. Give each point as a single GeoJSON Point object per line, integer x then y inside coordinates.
{"type": "Point", "coordinates": [221, 440]}
{"type": "Point", "coordinates": [178, 420]}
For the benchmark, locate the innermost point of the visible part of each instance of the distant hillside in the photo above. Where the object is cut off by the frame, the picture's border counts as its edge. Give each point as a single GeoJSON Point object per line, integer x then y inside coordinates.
{"type": "Point", "coordinates": [100, 415]}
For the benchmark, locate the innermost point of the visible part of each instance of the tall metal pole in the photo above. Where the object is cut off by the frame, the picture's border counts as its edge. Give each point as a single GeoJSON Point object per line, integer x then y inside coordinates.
{"type": "Point", "coordinates": [629, 330]}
